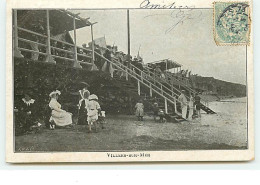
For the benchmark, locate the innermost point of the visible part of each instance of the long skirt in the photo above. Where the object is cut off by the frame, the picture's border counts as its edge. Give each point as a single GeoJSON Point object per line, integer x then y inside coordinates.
{"type": "Point", "coordinates": [61, 118]}
{"type": "Point", "coordinates": [83, 115]}
{"type": "Point", "coordinates": [190, 114]}
{"type": "Point", "coordinates": [184, 111]}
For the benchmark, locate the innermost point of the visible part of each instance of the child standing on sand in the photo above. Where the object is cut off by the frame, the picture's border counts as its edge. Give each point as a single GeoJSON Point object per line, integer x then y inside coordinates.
{"type": "Point", "coordinates": [93, 109]}
{"type": "Point", "coordinates": [161, 115]}
{"type": "Point", "coordinates": [139, 110]}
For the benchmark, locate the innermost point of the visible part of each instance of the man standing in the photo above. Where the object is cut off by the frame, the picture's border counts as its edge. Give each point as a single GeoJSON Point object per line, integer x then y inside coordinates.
{"type": "Point", "coordinates": [155, 110]}
{"type": "Point", "coordinates": [183, 100]}
{"type": "Point", "coordinates": [197, 104]}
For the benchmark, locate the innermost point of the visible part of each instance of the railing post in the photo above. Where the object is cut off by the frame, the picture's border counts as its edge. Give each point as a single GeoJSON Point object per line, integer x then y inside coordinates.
{"type": "Point", "coordinates": [112, 74]}
{"type": "Point", "coordinates": [94, 67]}
{"type": "Point", "coordinates": [142, 76]}
{"type": "Point", "coordinates": [139, 90]}
{"type": "Point", "coordinates": [154, 78]}
{"type": "Point", "coordinates": [161, 89]}
{"type": "Point", "coordinates": [151, 91]}
{"type": "Point", "coordinates": [126, 74]}
{"type": "Point", "coordinates": [172, 90]}
{"type": "Point", "coordinates": [17, 52]}
{"type": "Point", "coordinates": [48, 50]}
{"type": "Point", "coordinates": [165, 106]}
{"type": "Point", "coordinates": [76, 63]}
{"type": "Point", "coordinates": [175, 105]}
{"type": "Point", "coordinates": [92, 45]}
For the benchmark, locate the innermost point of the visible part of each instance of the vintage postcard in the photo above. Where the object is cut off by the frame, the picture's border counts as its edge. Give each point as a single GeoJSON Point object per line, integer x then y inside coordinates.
{"type": "Point", "coordinates": [129, 81]}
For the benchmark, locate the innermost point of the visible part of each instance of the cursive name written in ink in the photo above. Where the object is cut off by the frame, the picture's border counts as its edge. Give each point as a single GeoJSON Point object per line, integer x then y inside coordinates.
{"type": "Point", "coordinates": [149, 5]}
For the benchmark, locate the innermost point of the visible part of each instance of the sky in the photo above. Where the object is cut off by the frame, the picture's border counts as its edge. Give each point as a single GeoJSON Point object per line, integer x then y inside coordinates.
{"type": "Point", "coordinates": [185, 36]}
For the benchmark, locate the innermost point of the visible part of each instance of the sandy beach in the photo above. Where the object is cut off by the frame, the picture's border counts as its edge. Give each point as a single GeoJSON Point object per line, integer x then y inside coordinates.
{"type": "Point", "coordinates": [225, 130]}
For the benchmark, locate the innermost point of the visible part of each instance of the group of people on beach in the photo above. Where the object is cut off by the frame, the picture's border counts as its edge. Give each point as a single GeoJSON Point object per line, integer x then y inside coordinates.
{"type": "Point", "coordinates": [89, 112]}
{"type": "Point", "coordinates": [188, 108]}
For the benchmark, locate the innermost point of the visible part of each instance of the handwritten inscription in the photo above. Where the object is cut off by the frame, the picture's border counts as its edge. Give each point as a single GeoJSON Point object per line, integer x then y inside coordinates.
{"type": "Point", "coordinates": [179, 16]}
{"type": "Point", "coordinates": [149, 5]}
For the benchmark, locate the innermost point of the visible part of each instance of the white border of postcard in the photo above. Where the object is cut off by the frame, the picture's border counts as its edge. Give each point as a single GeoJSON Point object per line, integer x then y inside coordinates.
{"type": "Point", "coordinates": [198, 155]}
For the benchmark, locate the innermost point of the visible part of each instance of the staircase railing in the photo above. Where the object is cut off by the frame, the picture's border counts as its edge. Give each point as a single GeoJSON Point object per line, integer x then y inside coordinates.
{"type": "Point", "coordinates": [206, 103]}
{"type": "Point", "coordinates": [179, 79]}
{"type": "Point", "coordinates": [140, 80]}
{"type": "Point", "coordinates": [172, 78]}
{"type": "Point", "coordinates": [157, 79]}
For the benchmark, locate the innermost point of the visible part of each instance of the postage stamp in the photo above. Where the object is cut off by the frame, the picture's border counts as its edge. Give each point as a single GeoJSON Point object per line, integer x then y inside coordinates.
{"type": "Point", "coordinates": [112, 82]}
{"type": "Point", "coordinates": [231, 23]}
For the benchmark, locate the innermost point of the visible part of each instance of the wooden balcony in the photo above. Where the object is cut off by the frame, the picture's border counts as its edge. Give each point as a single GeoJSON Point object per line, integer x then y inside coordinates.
{"type": "Point", "coordinates": [42, 45]}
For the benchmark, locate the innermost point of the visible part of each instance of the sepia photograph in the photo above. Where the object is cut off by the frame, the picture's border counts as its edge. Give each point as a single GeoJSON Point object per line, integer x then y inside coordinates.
{"type": "Point", "coordinates": [130, 80]}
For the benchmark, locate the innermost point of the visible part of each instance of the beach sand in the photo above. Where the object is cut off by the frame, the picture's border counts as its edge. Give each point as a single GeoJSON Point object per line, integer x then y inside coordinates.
{"type": "Point", "coordinates": [225, 130]}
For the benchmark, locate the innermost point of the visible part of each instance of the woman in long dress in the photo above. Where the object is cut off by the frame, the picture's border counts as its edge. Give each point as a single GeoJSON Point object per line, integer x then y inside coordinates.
{"type": "Point", "coordinates": [59, 116]}
{"type": "Point", "coordinates": [183, 100]}
{"type": "Point", "coordinates": [191, 108]}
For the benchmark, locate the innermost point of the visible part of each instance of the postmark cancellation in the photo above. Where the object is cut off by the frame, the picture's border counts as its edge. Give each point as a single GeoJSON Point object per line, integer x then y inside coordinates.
{"type": "Point", "coordinates": [231, 23]}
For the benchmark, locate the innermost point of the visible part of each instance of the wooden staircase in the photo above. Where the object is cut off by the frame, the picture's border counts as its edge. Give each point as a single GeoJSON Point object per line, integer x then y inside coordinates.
{"type": "Point", "coordinates": [146, 89]}
{"type": "Point", "coordinates": [131, 88]}
{"type": "Point", "coordinates": [141, 84]}
{"type": "Point", "coordinates": [170, 83]}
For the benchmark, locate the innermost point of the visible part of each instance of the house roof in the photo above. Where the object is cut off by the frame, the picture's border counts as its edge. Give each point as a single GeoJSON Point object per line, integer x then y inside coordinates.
{"type": "Point", "coordinates": [60, 20]}
{"type": "Point", "coordinates": [165, 64]}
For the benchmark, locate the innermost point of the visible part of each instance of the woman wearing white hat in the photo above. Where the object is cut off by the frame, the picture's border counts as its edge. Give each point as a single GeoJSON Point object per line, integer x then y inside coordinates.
{"type": "Point", "coordinates": [93, 108]}
{"type": "Point", "coordinates": [58, 116]}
